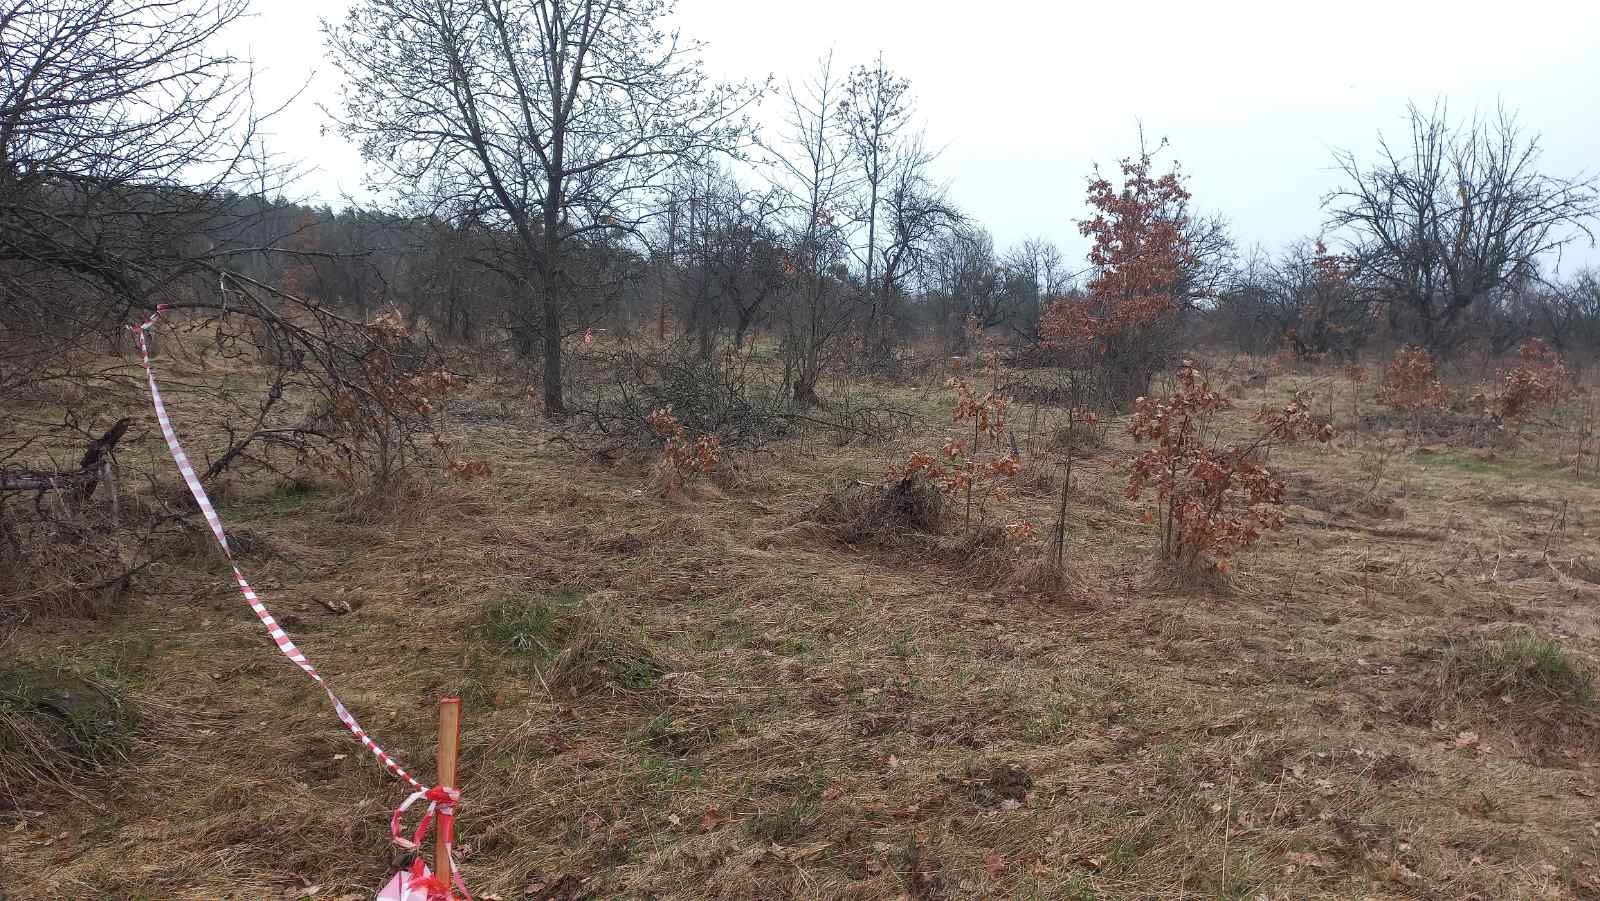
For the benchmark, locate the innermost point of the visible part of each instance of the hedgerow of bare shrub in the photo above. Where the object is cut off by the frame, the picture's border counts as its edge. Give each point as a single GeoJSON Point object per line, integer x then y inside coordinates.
{"type": "Point", "coordinates": [724, 395]}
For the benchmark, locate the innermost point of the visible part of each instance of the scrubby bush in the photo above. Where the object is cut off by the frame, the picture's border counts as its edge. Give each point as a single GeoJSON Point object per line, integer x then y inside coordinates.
{"type": "Point", "coordinates": [1411, 385]}
{"type": "Point", "coordinates": [681, 456]}
{"type": "Point", "coordinates": [724, 395]}
{"type": "Point", "coordinates": [883, 515]}
{"type": "Point", "coordinates": [959, 467]}
{"type": "Point", "coordinates": [1127, 323]}
{"type": "Point", "coordinates": [1539, 380]}
{"type": "Point", "coordinates": [380, 413]}
{"type": "Point", "coordinates": [1210, 501]}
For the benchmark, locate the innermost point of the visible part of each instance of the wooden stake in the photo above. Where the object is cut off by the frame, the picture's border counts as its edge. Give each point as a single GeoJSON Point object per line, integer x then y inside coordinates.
{"type": "Point", "coordinates": [449, 744]}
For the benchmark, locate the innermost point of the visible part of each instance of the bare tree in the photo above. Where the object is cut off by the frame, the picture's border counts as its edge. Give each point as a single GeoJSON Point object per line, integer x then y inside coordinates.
{"type": "Point", "coordinates": [1572, 314]}
{"type": "Point", "coordinates": [747, 261]}
{"type": "Point", "coordinates": [547, 118]}
{"type": "Point", "coordinates": [1250, 312]}
{"type": "Point", "coordinates": [971, 284]}
{"type": "Point", "coordinates": [917, 214]}
{"type": "Point", "coordinates": [875, 111]}
{"type": "Point", "coordinates": [1459, 215]}
{"type": "Point", "coordinates": [812, 158]}
{"type": "Point", "coordinates": [1037, 275]}
{"type": "Point", "coordinates": [1210, 263]}
{"type": "Point", "coordinates": [121, 134]}
{"type": "Point", "coordinates": [728, 264]}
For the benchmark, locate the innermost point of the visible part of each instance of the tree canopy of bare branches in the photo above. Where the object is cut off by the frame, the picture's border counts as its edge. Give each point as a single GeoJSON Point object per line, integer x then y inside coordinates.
{"type": "Point", "coordinates": [121, 131]}
{"type": "Point", "coordinates": [1460, 214]}
{"type": "Point", "coordinates": [875, 112]}
{"type": "Point", "coordinates": [545, 118]}
{"type": "Point", "coordinates": [814, 170]}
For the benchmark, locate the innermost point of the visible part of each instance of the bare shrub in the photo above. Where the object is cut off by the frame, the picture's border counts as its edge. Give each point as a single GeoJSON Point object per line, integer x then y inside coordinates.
{"type": "Point", "coordinates": [1452, 220]}
{"type": "Point", "coordinates": [724, 395]}
{"type": "Point", "coordinates": [884, 515]}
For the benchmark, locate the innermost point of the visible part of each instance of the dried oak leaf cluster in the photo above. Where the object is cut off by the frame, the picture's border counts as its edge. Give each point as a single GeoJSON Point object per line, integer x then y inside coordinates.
{"type": "Point", "coordinates": [681, 455]}
{"type": "Point", "coordinates": [1210, 500]}
{"type": "Point", "coordinates": [1540, 379]}
{"type": "Point", "coordinates": [958, 468]}
{"type": "Point", "coordinates": [1410, 383]}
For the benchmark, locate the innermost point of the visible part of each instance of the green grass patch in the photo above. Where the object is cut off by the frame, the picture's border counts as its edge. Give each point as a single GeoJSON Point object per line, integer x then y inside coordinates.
{"type": "Point", "coordinates": [1511, 468]}
{"type": "Point", "coordinates": [531, 625]}
{"type": "Point", "coordinates": [796, 812]}
{"type": "Point", "coordinates": [59, 722]}
{"type": "Point", "coordinates": [570, 642]}
{"type": "Point", "coordinates": [1049, 724]}
{"type": "Point", "coordinates": [1529, 668]}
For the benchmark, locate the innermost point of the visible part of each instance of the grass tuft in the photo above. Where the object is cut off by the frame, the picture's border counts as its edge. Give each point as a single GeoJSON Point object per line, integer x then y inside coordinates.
{"type": "Point", "coordinates": [527, 624]}
{"type": "Point", "coordinates": [57, 724]}
{"type": "Point", "coordinates": [1527, 667]}
{"type": "Point", "coordinates": [1082, 437]}
{"type": "Point", "coordinates": [799, 812]}
{"type": "Point", "coordinates": [882, 516]}
{"type": "Point", "coordinates": [571, 641]}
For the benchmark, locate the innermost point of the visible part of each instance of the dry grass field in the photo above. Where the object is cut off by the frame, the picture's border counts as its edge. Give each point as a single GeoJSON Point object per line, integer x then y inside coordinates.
{"type": "Point", "coordinates": [708, 694]}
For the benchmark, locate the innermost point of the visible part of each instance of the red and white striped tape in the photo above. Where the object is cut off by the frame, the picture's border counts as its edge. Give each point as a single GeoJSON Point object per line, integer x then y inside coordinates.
{"type": "Point", "coordinates": [441, 799]}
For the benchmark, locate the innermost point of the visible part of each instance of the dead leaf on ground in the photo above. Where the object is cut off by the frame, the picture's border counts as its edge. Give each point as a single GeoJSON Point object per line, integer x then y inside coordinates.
{"type": "Point", "coordinates": [711, 819]}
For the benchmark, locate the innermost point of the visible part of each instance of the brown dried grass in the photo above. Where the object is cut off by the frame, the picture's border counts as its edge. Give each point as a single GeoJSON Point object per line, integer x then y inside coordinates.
{"type": "Point", "coordinates": [828, 718]}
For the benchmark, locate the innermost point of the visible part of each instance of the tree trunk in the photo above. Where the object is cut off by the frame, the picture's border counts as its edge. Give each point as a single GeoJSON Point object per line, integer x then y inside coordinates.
{"type": "Point", "coordinates": [551, 271]}
{"type": "Point", "coordinates": [1126, 368]}
{"type": "Point", "coordinates": [553, 405]}
{"type": "Point", "coordinates": [805, 385]}
{"type": "Point", "coordinates": [741, 328]}
{"type": "Point", "coordinates": [707, 342]}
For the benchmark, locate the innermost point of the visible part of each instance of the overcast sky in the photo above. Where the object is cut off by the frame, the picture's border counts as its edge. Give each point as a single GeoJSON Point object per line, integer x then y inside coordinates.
{"type": "Point", "coordinates": [1026, 97]}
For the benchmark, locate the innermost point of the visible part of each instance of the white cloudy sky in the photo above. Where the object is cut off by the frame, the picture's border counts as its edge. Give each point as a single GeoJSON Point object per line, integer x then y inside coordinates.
{"type": "Point", "coordinates": [1024, 97]}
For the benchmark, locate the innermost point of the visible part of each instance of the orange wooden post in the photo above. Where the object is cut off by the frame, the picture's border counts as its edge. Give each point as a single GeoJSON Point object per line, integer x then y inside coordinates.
{"type": "Point", "coordinates": [449, 745]}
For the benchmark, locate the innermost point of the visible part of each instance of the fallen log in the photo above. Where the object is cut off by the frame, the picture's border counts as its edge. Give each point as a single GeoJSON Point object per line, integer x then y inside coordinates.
{"type": "Point", "coordinates": [91, 469]}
